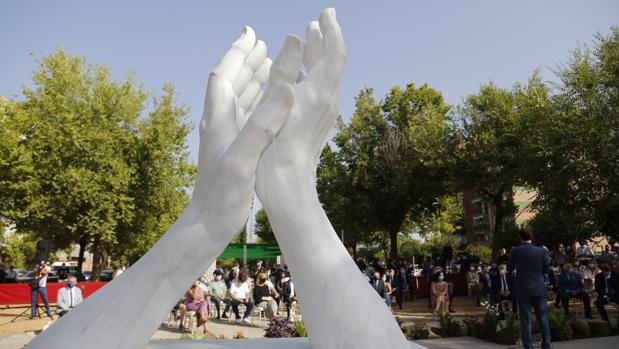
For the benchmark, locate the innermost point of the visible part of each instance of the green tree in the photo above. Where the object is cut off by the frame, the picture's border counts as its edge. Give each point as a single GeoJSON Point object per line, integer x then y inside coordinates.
{"type": "Point", "coordinates": [397, 153]}
{"type": "Point", "coordinates": [578, 172]}
{"type": "Point", "coordinates": [496, 152]}
{"type": "Point", "coordinates": [263, 227]}
{"type": "Point", "coordinates": [348, 209]}
{"type": "Point", "coordinates": [83, 147]}
{"type": "Point", "coordinates": [162, 176]}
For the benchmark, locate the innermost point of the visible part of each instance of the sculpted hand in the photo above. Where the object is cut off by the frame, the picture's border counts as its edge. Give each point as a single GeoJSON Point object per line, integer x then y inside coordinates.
{"type": "Point", "coordinates": [127, 311]}
{"type": "Point", "coordinates": [345, 311]}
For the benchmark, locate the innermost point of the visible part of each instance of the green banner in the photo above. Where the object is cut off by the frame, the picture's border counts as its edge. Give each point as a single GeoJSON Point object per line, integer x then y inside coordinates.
{"type": "Point", "coordinates": [254, 251]}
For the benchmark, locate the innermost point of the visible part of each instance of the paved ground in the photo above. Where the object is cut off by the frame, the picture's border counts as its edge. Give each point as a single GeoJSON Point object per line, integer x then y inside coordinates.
{"type": "Point", "coordinates": [470, 342]}
{"type": "Point", "coordinates": [16, 330]}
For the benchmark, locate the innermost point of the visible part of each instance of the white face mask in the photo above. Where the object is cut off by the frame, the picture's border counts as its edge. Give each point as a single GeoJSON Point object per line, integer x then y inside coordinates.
{"type": "Point", "coordinates": [218, 277]}
{"type": "Point", "coordinates": [440, 278]}
{"type": "Point", "coordinates": [503, 271]}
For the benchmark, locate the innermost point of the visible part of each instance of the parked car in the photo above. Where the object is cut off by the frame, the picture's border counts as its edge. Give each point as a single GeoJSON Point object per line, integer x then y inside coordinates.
{"type": "Point", "coordinates": [106, 275]}
{"type": "Point", "coordinates": [27, 277]}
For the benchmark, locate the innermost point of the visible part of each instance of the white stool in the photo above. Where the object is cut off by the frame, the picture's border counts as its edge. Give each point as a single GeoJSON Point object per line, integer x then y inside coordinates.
{"type": "Point", "coordinates": [261, 315]}
{"type": "Point", "coordinates": [189, 320]}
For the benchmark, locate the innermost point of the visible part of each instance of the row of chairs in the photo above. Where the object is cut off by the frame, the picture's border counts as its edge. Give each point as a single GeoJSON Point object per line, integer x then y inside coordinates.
{"type": "Point", "coordinates": [258, 315]}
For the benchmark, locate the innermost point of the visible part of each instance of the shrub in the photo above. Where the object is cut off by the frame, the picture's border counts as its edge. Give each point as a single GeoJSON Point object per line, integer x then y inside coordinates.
{"type": "Point", "coordinates": [559, 325]}
{"type": "Point", "coordinates": [449, 326]}
{"type": "Point", "coordinates": [485, 329]}
{"type": "Point", "coordinates": [298, 329]}
{"type": "Point", "coordinates": [417, 330]}
{"type": "Point", "coordinates": [508, 331]}
{"type": "Point", "coordinates": [279, 328]}
{"type": "Point", "coordinates": [483, 252]}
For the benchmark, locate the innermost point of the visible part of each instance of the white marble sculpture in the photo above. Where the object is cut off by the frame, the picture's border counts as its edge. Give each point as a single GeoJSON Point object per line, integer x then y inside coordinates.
{"type": "Point", "coordinates": [236, 147]}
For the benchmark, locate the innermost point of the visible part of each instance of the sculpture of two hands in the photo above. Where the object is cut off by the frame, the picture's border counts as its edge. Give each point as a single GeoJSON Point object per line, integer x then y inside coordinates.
{"type": "Point", "coordinates": [264, 126]}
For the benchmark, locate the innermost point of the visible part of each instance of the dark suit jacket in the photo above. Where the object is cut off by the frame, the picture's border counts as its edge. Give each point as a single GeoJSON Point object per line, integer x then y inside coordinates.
{"type": "Point", "coordinates": [496, 283]}
{"type": "Point", "coordinates": [379, 286]}
{"type": "Point", "coordinates": [286, 291]}
{"type": "Point", "coordinates": [600, 284]}
{"type": "Point", "coordinates": [400, 282]}
{"type": "Point", "coordinates": [570, 282]}
{"type": "Point", "coordinates": [531, 264]}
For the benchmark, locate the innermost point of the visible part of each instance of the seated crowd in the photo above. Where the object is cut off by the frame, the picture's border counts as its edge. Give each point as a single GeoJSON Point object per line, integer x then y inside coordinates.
{"type": "Point", "coordinates": [579, 276]}
{"type": "Point", "coordinates": [266, 290]}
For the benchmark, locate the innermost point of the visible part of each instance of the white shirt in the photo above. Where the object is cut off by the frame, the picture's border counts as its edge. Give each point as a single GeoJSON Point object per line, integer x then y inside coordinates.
{"type": "Point", "coordinates": [584, 251]}
{"type": "Point", "coordinates": [43, 279]}
{"type": "Point", "coordinates": [239, 291]}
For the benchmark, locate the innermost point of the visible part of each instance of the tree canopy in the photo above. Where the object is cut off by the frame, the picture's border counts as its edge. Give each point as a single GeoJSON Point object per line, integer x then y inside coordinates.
{"type": "Point", "coordinates": [91, 161]}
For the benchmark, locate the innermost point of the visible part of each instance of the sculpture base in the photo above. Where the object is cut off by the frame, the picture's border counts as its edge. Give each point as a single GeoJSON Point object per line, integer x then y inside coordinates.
{"type": "Point", "coordinates": [262, 343]}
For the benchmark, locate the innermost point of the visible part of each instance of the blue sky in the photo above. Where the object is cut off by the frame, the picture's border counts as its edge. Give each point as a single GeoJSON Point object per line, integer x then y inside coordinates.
{"type": "Point", "coordinates": [452, 45]}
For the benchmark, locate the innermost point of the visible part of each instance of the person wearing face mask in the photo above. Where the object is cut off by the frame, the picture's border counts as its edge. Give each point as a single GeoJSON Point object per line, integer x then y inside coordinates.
{"type": "Point", "coordinates": [217, 292]}
{"type": "Point", "coordinates": [503, 287]}
{"type": "Point", "coordinates": [440, 295]}
{"type": "Point", "coordinates": [288, 293]}
{"type": "Point", "coordinates": [379, 285]}
{"type": "Point", "coordinates": [472, 280]}
{"type": "Point", "coordinates": [486, 283]}
{"type": "Point", "coordinates": [68, 297]}
{"type": "Point", "coordinates": [571, 286]}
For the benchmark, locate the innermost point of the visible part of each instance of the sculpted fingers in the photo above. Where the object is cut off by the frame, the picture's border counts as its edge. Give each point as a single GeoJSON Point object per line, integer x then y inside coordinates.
{"type": "Point", "coordinates": [253, 61]}
{"type": "Point", "coordinates": [259, 131]}
{"type": "Point", "coordinates": [313, 45]}
{"type": "Point", "coordinates": [286, 66]}
{"type": "Point", "coordinates": [230, 65]}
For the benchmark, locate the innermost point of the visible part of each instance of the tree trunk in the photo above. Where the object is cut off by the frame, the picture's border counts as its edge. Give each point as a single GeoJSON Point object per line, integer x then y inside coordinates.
{"type": "Point", "coordinates": [98, 260]}
{"type": "Point", "coordinates": [354, 250]}
{"type": "Point", "coordinates": [393, 236]}
{"type": "Point", "coordinates": [80, 256]}
{"type": "Point", "coordinates": [498, 226]}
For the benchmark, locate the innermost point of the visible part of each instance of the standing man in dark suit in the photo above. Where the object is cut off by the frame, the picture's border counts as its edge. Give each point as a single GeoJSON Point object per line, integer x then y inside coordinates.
{"type": "Point", "coordinates": [379, 285]}
{"type": "Point", "coordinates": [400, 283]}
{"type": "Point", "coordinates": [604, 291]}
{"type": "Point", "coordinates": [531, 264]}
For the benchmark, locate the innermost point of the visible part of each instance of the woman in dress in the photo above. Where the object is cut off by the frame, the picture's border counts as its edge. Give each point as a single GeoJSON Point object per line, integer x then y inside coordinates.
{"type": "Point", "coordinates": [194, 301]}
{"type": "Point", "coordinates": [440, 295]}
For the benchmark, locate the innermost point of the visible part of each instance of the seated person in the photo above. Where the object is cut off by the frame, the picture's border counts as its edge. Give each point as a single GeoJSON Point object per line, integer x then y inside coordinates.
{"type": "Point", "coordinates": [605, 293]}
{"type": "Point", "coordinates": [503, 287]}
{"type": "Point", "coordinates": [68, 297]}
{"type": "Point", "coordinates": [217, 291]}
{"type": "Point", "coordinates": [486, 283]}
{"type": "Point", "coordinates": [194, 301]}
{"type": "Point", "coordinates": [571, 286]}
{"type": "Point", "coordinates": [288, 292]}
{"type": "Point", "coordinates": [440, 294]}
{"type": "Point", "coordinates": [239, 294]}
{"type": "Point", "coordinates": [264, 296]}
{"type": "Point", "coordinates": [472, 280]}
{"type": "Point", "coordinates": [588, 277]}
